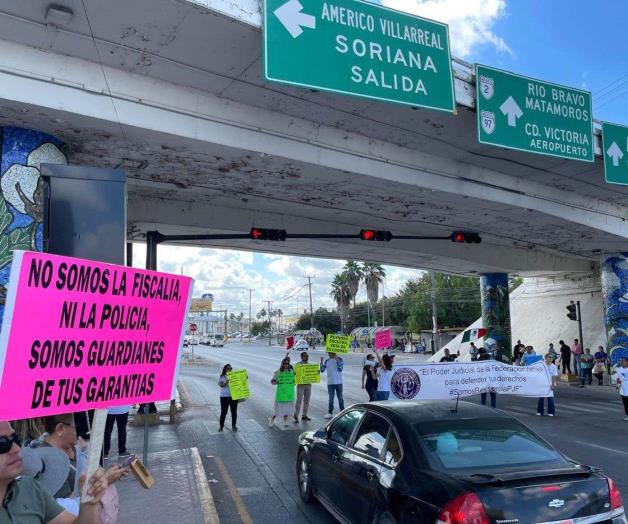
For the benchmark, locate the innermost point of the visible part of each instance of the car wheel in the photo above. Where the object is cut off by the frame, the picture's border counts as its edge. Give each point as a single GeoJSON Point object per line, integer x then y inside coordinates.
{"type": "Point", "coordinates": [305, 479]}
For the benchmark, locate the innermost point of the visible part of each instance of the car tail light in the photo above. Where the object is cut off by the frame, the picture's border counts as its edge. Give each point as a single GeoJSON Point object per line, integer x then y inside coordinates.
{"type": "Point", "coordinates": [466, 508]}
{"type": "Point", "coordinates": [614, 495]}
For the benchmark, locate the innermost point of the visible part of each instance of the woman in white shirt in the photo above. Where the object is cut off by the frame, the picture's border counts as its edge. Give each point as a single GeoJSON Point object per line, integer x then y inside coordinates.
{"type": "Point", "coordinates": [553, 373]}
{"type": "Point", "coordinates": [622, 383]}
{"type": "Point", "coordinates": [384, 376]}
{"type": "Point", "coordinates": [226, 402]}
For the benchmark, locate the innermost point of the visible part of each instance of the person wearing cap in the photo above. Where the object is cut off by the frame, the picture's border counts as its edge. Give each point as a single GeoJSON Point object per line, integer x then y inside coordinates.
{"type": "Point", "coordinates": [622, 383]}
{"type": "Point", "coordinates": [25, 500]}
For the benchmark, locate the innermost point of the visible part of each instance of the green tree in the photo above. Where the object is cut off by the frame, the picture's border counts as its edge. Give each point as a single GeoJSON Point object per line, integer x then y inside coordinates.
{"type": "Point", "coordinates": [352, 273]}
{"type": "Point", "coordinates": [327, 321]}
{"type": "Point", "coordinates": [258, 328]}
{"type": "Point", "coordinates": [457, 301]}
{"type": "Point", "coordinates": [341, 294]}
{"type": "Point", "coordinates": [372, 275]}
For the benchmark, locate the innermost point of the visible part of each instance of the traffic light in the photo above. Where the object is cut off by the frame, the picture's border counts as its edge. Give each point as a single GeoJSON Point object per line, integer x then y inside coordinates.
{"type": "Point", "coordinates": [572, 315]}
{"type": "Point", "coordinates": [464, 237]}
{"type": "Point", "coordinates": [259, 233]}
{"type": "Point", "coordinates": [374, 235]}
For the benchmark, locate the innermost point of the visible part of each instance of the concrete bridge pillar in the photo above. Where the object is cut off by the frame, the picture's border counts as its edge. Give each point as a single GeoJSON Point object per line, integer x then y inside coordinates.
{"type": "Point", "coordinates": [496, 312]}
{"type": "Point", "coordinates": [22, 151]}
{"type": "Point", "coordinates": [614, 276]}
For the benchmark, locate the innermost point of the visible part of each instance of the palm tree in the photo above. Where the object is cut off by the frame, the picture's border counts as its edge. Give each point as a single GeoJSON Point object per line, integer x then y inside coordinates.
{"type": "Point", "coordinates": [372, 275]}
{"type": "Point", "coordinates": [352, 272]}
{"type": "Point", "coordinates": [342, 296]}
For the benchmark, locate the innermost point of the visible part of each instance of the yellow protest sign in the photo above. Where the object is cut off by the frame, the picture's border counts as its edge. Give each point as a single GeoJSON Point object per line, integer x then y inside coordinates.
{"type": "Point", "coordinates": [307, 373]}
{"type": "Point", "coordinates": [239, 384]}
{"type": "Point", "coordinates": [337, 343]}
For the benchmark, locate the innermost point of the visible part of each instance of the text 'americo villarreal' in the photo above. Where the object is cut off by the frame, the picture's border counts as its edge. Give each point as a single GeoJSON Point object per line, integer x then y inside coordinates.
{"type": "Point", "coordinates": [409, 64]}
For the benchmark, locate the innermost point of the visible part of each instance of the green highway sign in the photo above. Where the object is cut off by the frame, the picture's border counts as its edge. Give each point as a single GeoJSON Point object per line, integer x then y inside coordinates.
{"type": "Point", "coordinates": [530, 115]}
{"type": "Point", "coordinates": [358, 48]}
{"type": "Point", "coordinates": [615, 151]}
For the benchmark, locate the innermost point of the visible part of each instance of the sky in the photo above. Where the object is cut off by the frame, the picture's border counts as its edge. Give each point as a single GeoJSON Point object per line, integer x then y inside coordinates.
{"type": "Point", "coordinates": [573, 42]}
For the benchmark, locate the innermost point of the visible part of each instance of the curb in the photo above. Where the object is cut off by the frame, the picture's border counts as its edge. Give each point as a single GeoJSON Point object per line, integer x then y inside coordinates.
{"type": "Point", "coordinates": [208, 507]}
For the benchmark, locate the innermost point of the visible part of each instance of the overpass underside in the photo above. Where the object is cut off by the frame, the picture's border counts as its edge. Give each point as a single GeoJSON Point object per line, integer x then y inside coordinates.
{"type": "Point", "coordinates": [172, 93]}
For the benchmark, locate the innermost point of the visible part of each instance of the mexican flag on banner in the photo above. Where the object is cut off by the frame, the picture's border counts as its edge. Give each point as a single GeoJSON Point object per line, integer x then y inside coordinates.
{"type": "Point", "coordinates": [473, 334]}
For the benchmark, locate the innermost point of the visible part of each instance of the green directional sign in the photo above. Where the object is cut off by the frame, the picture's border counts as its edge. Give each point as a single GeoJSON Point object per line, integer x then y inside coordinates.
{"type": "Point", "coordinates": [523, 113]}
{"type": "Point", "coordinates": [615, 149]}
{"type": "Point", "coordinates": [358, 48]}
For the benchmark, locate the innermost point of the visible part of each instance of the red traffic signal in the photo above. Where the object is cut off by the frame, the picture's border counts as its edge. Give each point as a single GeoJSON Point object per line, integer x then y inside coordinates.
{"type": "Point", "coordinates": [464, 237]}
{"type": "Point", "coordinates": [374, 235]}
{"type": "Point", "coordinates": [260, 233]}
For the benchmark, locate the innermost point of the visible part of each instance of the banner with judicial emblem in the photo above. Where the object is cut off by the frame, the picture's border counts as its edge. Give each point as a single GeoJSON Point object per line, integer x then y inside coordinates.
{"type": "Point", "coordinates": [307, 373]}
{"type": "Point", "coordinates": [239, 384]}
{"type": "Point", "coordinates": [79, 334]}
{"type": "Point", "coordinates": [449, 380]}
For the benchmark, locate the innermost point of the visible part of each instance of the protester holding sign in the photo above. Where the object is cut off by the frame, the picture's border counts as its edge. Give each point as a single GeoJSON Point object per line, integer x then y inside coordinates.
{"type": "Point", "coordinates": [553, 372]}
{"type": "Point", "coordinates": [226, 401]}
{"type": "Point", "coordinates": [384, 375]}
{"type": "Point", "coordinates": [283, 378]}
{"type": "Point", "coordinates": [303, 391]}
{"type": "Point", "coordinates": [26, 501]}
{"type": "Point", "coordinates": [333, 365]}
{"type": "Point", "coordinates": [369, 377]}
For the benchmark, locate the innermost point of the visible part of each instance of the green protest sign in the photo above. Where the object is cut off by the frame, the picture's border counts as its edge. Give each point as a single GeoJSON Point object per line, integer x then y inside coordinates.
{"type": "Point", "coordinates": [285, 386]}
{"type": "Point", "coordinates": [359, 48]}
{"type": "Point", "coordinates": [239, 384]}
{"type": "Point", "coordinates": [307, 373]}
{"type": "Point", "coordinates": [337, 343]}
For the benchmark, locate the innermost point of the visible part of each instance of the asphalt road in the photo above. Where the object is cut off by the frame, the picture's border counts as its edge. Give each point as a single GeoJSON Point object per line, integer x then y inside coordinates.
{"type": "Point", "coordinates": [252, 472]}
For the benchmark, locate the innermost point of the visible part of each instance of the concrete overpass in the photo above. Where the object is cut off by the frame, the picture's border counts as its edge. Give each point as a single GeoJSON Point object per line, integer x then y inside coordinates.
{"type": "Point", "coordinates": [171, 91]}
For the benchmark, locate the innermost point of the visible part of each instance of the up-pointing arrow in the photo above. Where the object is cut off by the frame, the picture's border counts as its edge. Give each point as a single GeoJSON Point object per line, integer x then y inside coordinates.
{"type": "Point", "coordinates": [512, 110]}
{"type": "Point", "coordinates": [293, 19]}
{"type": "Point", "coordinates": [615, 152]}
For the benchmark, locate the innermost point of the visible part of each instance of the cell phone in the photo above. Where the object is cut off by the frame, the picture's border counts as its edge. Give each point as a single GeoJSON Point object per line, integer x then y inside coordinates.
{"type": "Point", "coordinates": [127, 461]}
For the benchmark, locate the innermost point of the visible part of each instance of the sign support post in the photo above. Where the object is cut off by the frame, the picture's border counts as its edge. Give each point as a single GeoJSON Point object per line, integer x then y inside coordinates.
{"type": "Point", "coordinates": [151, 263]}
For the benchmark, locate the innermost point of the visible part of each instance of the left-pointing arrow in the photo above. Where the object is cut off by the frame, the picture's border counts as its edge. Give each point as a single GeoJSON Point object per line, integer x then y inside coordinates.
{"type": "Point", "coordinates": [293, 19]}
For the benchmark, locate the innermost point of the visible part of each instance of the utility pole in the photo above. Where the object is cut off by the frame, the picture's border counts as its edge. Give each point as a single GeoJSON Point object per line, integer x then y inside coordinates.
{"type": "Point", "coordinates": [309, 283]}
{"type": "Point", "coordinates": [270, 331]}
{"type": "Point", "coordinates": [225, 331]}
{"type": "Point", "coordinates": [250, 313]}
{"type": "Point", "coordinates": [383, 302]}
{"type": "Point", "coordinates": [434, 318]}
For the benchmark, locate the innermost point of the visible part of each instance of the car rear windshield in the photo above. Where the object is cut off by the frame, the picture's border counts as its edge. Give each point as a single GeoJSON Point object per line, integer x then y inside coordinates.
{"type": "Point", "coordinates": [478, 444]}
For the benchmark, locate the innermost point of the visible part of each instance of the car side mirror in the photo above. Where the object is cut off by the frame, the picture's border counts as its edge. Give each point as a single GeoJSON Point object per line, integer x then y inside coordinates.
{"type": "Point", "coordinates": [321, 433]}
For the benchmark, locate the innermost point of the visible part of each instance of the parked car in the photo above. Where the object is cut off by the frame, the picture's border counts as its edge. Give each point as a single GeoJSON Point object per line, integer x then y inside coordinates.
{"type": "Point", "coordinates": [301, 345]}
{"type": "Point", "coordinates": [418, 462]}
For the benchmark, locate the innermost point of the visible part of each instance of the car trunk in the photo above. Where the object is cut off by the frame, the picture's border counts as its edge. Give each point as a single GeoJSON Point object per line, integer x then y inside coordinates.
{"type": "Point", "coordinates": [543, 496]}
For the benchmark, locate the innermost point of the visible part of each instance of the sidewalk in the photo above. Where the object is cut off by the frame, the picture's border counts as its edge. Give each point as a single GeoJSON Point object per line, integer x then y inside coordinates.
{"type": "Point", "coordinates": [181, 492]}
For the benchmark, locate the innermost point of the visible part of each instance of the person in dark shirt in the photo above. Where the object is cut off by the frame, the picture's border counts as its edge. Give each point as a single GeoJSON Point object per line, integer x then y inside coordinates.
{"type": "Point", "coordinates": [565, 357]}
{"type": "Point", "coordinates": [483, 355]}
{"type": "Point", "coordinates": [447, 357]}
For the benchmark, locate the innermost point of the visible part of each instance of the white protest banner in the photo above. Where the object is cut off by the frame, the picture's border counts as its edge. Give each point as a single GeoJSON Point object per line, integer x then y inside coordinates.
{"type": "Point", "coordinates": [449, 380]}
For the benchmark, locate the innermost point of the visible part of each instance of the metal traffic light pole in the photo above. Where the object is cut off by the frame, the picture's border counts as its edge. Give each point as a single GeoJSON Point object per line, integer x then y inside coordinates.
{"type": "Point", "coordinates": [580, 324]}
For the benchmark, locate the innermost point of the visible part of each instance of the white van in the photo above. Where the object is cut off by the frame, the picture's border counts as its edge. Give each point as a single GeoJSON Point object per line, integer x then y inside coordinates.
{"type": "Point", "coordinates": [217, 340]}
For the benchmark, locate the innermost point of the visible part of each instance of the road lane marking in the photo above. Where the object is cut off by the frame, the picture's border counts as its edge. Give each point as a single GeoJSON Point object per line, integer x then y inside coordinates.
{"type": "Point", "coordinates": [601, 447]}
{"type": "Point", "coordinates": [233, 491]}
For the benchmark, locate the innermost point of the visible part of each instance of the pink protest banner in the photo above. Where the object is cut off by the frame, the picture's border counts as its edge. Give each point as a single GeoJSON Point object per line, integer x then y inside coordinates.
{"type": "Point", "coordinates": [383, 339]}
{"type": "Point", "coordinates": [79, 334]}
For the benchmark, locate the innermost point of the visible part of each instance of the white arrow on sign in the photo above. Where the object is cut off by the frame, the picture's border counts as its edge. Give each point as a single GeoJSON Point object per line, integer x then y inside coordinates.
{"type": "Point", "coordinates": [615, 152]}
{"type": "Point", "coordinates": [293, 19]}
{"type": "Point", "coordinates": [512, 110]}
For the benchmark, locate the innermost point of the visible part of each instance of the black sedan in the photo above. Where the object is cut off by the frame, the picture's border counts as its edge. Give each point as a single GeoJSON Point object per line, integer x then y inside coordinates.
{"type": "Point", "coordinates": [420, 462]}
